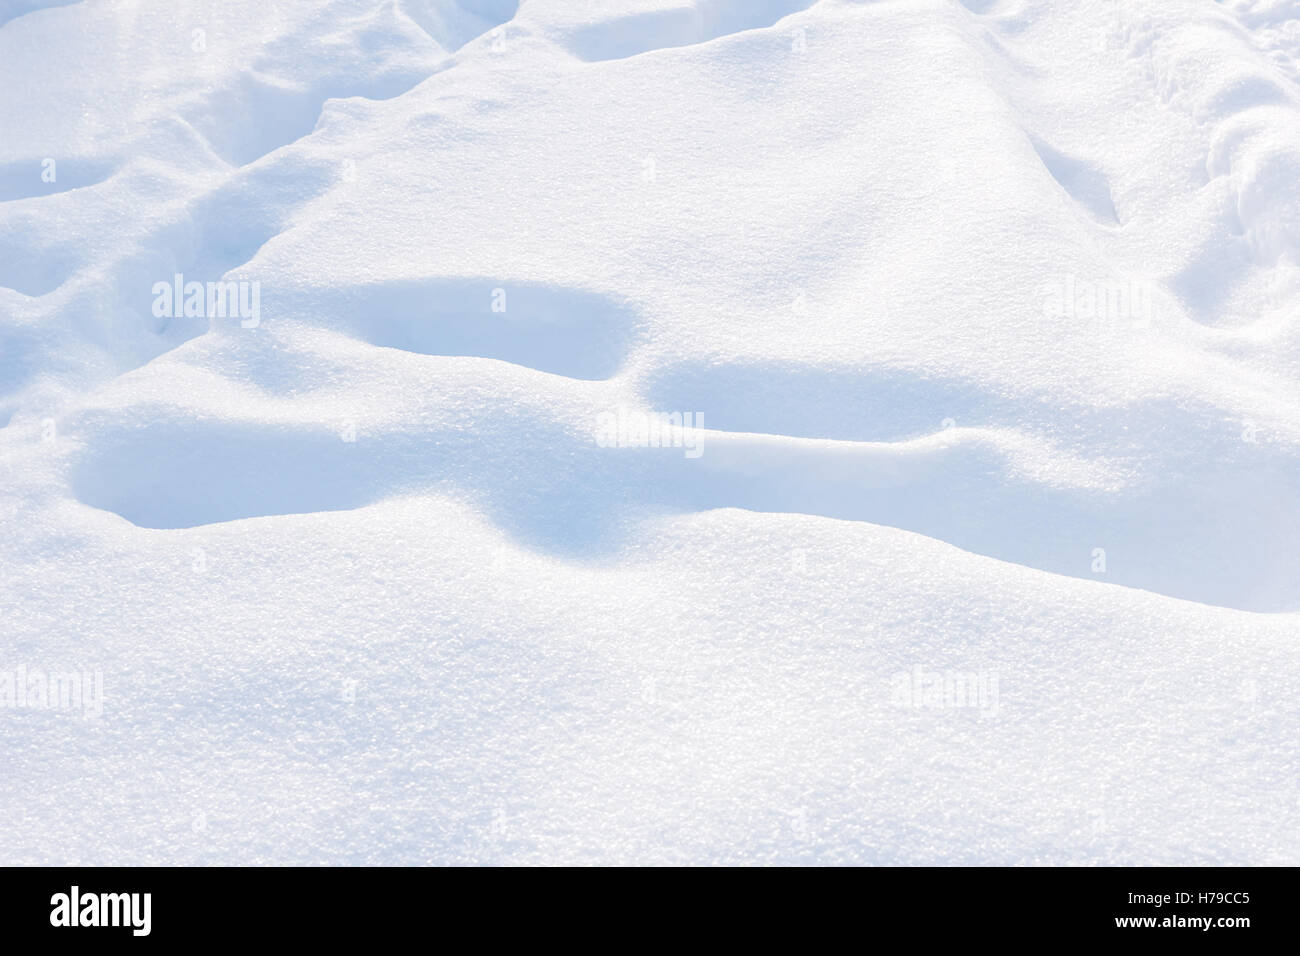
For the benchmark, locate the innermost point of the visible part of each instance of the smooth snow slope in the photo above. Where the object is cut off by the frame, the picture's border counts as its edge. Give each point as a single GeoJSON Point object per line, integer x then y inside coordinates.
{"type": "Point", "coordinates": [991, 313]}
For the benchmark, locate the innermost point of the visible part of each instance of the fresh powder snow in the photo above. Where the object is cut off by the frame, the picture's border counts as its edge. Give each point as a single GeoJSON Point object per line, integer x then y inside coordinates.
{"type": "Point", "coordinates": [650, 432]}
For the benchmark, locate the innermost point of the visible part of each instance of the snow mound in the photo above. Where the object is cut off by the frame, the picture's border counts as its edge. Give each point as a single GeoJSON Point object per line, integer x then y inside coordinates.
{"type": "Point", "coordinates": [653, 431]}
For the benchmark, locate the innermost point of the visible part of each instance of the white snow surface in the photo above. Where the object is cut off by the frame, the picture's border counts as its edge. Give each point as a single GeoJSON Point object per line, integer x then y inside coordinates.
{"type": "Point", "coordinates": [991, 310]}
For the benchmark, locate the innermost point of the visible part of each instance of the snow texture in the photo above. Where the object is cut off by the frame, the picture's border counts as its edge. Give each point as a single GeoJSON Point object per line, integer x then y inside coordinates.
{"type": "Point", "coordinates": [975, 537]}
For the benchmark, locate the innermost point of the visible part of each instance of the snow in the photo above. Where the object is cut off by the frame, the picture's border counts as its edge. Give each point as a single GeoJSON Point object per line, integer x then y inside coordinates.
{"type": "Point", "coordinates": [977, 539]}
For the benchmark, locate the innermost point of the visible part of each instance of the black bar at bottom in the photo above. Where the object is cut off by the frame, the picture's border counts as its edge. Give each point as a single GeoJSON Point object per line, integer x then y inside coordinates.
{"type": "Point", "coordinates": [336, 906]}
